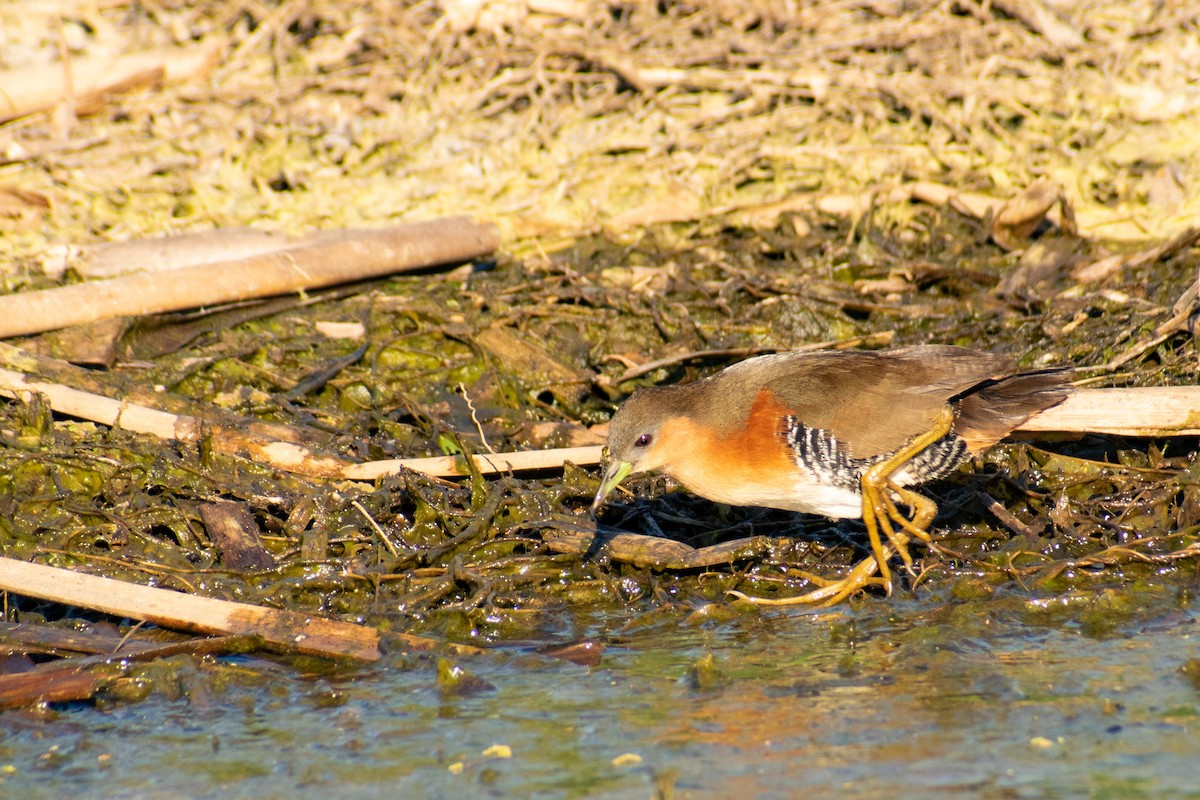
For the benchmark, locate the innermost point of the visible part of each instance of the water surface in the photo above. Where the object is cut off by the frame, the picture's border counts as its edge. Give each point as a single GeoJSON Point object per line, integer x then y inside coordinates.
{"type": "Point", "coordinates": [899, 699]}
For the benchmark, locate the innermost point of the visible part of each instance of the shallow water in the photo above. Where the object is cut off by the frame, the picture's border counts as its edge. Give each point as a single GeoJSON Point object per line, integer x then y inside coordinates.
{"type": "Point", "coordinates": [897, 699]}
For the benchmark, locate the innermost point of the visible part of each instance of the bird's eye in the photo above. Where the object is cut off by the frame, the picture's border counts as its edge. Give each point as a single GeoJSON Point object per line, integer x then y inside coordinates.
{"type": "Point", "coordinates": [643, 440]}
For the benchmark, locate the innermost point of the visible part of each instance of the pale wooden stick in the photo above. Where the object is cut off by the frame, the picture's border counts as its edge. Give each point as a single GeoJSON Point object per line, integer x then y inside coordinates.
{"type": "Point", "coordinates": [486, 463]}
{"type": "Point", "coordinates": [165, 253]}
{"type": "Point", "coordinates": [163, 425]}
{"type": "Point", "coordinates": [105, 410]}
{"type": "Point", "coordinates": [354, 256]}
{"type": "Point", "coordinates": [288, 630]}
{"type": "Point", "coordinates": [1153, 412]}
{"type": "Point", "coordinates": [169, 253]}
{"type": "Point", "coordinates": [27, 90]}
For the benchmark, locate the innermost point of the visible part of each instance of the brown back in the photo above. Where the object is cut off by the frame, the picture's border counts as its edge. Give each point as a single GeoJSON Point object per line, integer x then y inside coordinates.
{"type": "Point", "coordinates": [876, 401]}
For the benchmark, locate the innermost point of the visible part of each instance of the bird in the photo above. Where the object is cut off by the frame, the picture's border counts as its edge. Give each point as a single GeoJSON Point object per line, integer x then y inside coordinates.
{"type": "Point", "coordinates": [844, 434]}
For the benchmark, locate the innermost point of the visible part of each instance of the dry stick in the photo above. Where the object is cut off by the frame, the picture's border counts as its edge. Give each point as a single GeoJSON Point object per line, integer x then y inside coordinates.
{"type": "Point", "coordinates": [487, 464]}
{"type": "Point", "coordinates": [58, 686]}
{"type": "Point", "coordinates": [1043, 21]}
{"type": "Point", "coordinates": [1153, 412]}
{"type": "Point", "coordinates": [161, 424]}
{"type": "Point", "coordinates": [105, 410]}
{"type": "Point", "coordinates": [286, 630]}
{"type": "Point", "coordinates": [343, 259]}
{"type": "Point", "coordinates": [52, 371]}
{"type": "Point", "coordinates": [1150, 412]}
{"type": "Point", "coordinates": [28, 90]}
{"type": "Point", "coordinates": [168, 253]}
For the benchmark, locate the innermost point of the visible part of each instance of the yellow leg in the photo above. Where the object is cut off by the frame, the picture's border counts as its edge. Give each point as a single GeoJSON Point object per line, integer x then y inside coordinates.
{"type": "Point", "coordinates": [924, 510]}
{"type": "Point", "coordinates": [879, 512]}
{"type": "Point", "coordinates": [831, 592]}
{"type": "Point", "coordinates": [877, 518]}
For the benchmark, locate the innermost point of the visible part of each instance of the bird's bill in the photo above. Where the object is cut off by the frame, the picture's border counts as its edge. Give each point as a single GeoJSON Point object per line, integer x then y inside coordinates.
{"type": "Point", "coordinates": [617, 471]}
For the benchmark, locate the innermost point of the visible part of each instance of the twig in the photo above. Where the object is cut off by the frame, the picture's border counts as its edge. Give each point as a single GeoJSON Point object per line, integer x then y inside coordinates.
{"type": "Point", "coordinates": [354, 256]}
{"type": "Point", "coordinates": [164, 425]}
{"type": "Point", "coordinates": [482, 519]}
{"type": "Point", "coordinates": [1151, 412]}
{"type": "Point", "coordinates": [387, 543]}
{"type": "Point", "coordinates": [1184, 319]}
{"type": "Point", "coordinates": [1010, 520]}
{"type": "Point", "coordinates": [452, 466]}
{"type": "Point", "coordinates": [1042, 20]}
{"type": "Point", "coordinates": [285, 630]}
{"type": "Point", "coordinates": [479, 428]}
{"type": "Point", "coordinates": [60, 685]}
{"type": "Point", "coordinates": [32, 89]}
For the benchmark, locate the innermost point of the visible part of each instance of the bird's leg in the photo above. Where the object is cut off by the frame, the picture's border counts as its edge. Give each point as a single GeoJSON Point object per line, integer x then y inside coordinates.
{"type": "Point", "coordinates": [879, 510]}
{"type": "Point", "coordinates": [873, 502]}
{"type": "Point", "coordinates": [860, 577]}
{"type": "Point", "coordinates": [831, 592]}
{"type": "Point", "coordinates": [924, 510]}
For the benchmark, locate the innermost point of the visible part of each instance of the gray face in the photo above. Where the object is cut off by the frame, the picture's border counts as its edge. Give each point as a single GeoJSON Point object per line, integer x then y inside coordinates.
{"type": "Point", "coordinates": [634, 426]}
{"type": "Point", "coordinates": [631, 435]}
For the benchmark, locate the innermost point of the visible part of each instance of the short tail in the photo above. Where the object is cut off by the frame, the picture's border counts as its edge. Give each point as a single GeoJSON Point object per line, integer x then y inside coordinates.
{"type": "Point", "coordinates": [989, 411]}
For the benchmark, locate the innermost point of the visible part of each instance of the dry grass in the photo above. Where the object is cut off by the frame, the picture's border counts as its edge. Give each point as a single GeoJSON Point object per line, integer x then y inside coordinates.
{"type": "Point", "coordinates": [606, 115]}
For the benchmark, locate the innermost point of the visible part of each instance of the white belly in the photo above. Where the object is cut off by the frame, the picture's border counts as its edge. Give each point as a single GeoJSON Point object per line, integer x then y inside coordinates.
{"type": "Point", "coordinates": [824, 499]}
{"type": "Point", "coordinates": [807, 496]}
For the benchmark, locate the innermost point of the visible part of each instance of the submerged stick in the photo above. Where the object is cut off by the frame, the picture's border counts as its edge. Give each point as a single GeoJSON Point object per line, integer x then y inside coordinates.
{"type": "Point", "coordinates": [286, 630]}
{"type": "Point", "coordinates": [56, 686]}
{"type": "Point", "coordinates": [355, 256]}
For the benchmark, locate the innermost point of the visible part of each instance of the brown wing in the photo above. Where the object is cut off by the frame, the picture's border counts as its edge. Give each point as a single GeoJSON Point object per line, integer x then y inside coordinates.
{"type": "Point", "coordinates": [876, 401]}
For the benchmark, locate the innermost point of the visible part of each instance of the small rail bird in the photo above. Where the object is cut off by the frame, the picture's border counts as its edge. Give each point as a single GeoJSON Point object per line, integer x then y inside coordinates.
{"type": "Point", "coordinates": [841, 433]}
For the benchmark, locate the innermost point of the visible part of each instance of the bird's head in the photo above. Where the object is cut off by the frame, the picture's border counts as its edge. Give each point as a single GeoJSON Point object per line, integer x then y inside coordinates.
{"type": "Point", "coordinates": [635, 441]}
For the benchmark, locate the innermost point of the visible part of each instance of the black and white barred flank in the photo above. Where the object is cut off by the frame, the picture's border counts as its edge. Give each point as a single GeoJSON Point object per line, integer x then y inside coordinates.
{"type": "Point", "coordinates": [822, 455]}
